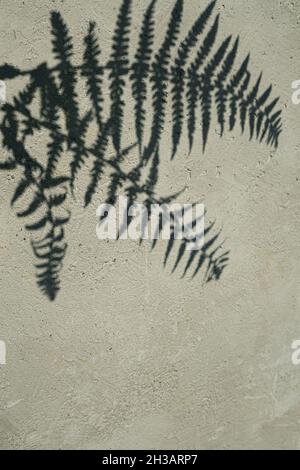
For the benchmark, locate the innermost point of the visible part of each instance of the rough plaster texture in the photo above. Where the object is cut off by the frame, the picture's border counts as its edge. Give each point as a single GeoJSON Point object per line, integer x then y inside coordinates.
{"type": "Point", "coordinates": [130, 356]}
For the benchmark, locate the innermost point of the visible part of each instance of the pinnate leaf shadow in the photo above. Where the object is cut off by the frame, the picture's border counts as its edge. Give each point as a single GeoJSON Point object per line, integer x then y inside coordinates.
{"type": "Point", "coordinates": [196, 75]}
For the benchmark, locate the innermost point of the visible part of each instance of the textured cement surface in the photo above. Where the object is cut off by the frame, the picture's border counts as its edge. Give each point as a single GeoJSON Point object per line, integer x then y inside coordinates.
{"type": "Point", "coordinates": [130, 356]}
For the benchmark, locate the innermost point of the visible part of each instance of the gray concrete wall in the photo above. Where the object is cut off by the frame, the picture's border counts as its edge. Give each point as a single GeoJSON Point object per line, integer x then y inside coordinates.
{"type": "Point", "coordinates": [129, 356]}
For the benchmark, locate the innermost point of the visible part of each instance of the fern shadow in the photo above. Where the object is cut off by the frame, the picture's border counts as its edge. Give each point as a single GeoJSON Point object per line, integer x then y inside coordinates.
{"type": "Point", "coordinates": [198, 76]}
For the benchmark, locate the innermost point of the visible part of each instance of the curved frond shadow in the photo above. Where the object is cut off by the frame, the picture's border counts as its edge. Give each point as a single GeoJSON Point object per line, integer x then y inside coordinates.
{"type": "Point", "coordinates": [196, 77]}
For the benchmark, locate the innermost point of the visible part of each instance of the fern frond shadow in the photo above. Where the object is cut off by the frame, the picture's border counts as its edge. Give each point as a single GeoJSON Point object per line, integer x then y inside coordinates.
{"type": "Point", "coordinates": [202, 76]}
{"type": "Point", "coordinates": [201, 255]}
